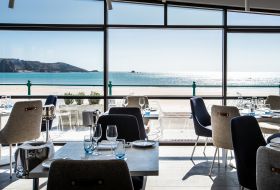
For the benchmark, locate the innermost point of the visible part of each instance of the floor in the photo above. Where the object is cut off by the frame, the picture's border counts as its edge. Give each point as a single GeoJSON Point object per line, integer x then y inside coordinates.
{"type": "Point", "coordinates": [176, 172]}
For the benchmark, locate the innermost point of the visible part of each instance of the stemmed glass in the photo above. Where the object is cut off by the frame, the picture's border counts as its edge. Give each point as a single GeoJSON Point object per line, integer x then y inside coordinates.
{"type": "Point", "coordinates": [142, 103]}
{"type": "Point", "coordinates": [111, 134]}
{"type": "Point", "coordinates": [97, 133]}
{"type": "Point", "coordinates": [125, 101]}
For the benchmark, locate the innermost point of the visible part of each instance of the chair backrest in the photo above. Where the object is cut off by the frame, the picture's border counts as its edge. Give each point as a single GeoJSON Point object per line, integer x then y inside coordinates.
{"type": "Point", "coordinates": [201, 117]}
{"type": "Point", "coordinates": [50, 100]}
{"type": "Point", "coordinates": [274, 102]}
{"type": "Point", "coordinates": [246, 139]}
{"type": "Point", "coordinates": [268, 169]}
{"type": "Point", "coordinates": [131, 111]}
{"type": "Point", "coordinates": [221, 121]}
{"type": "Point", "coordinates": [133, 101]}
{"type": "Point", "coordinates": [24, 123]}
{"type": "Point", "coordinates": [127, 126]}
{"type": "Point", "coordinates": [89, 174]}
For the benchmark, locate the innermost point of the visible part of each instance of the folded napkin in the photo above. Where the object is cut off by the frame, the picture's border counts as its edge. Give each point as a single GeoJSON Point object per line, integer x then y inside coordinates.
{"type": "Point", "coordinates": [106, 145]}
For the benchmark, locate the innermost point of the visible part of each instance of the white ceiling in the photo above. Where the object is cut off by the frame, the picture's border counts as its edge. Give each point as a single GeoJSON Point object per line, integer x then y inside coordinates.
{"type": "Point", "coordinates": [259, 4]}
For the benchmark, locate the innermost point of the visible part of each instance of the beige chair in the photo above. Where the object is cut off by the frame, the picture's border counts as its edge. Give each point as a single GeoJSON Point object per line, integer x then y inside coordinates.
{"type": "Point", "coordinates": [272, 125]}
{"type": "Point", "coordinates": [273, 101]}
{"type": "Point", "coordinates": [221, 127]}
{"type": "Point", "coordinates": [89, 174]}
{"type": "Point", "coordinates": [24, 124]}
{"type": "Point", "coordinates": [133, 101]}
{"type": "Point", "coordinates": [268, 169]}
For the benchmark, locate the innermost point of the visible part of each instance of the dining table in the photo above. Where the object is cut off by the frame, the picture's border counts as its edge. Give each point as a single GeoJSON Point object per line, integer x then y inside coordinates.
{"type": "Point", "coordinates": [141, 161]}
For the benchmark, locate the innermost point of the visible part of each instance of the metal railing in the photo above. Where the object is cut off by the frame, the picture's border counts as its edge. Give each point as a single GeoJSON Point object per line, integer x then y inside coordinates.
{"type": "Point", "coordinates": [194, 86]}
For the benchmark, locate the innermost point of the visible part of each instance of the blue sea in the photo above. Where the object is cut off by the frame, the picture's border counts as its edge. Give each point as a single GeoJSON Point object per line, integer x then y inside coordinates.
{"type": "Point", "coordinates": [144, 78]}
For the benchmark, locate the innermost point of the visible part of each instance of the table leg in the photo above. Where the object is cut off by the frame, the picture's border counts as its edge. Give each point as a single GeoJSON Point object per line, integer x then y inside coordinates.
{"type": "Point", "coordinates": [35, 183]}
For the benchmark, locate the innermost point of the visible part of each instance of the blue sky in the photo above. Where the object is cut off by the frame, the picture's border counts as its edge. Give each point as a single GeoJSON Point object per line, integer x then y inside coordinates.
{"type": "Point", "coordinates": [151, 50]}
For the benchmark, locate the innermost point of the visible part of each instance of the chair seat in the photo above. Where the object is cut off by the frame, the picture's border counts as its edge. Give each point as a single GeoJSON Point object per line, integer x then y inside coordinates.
{"type": "Point", "coordinates": [269, 127]}
{"type": "Point", "coordinates": [209, 127]}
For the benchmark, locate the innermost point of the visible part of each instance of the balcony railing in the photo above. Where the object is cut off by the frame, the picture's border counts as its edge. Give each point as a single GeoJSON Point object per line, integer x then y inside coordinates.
{"type": "Point", "coordinates": [194, 86]}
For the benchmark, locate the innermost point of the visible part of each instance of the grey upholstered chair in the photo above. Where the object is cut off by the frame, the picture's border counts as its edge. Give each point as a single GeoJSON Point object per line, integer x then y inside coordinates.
{"type": "Point", "coordinates": [133, 101]}
{"type": "Point", "coordinates": [273, 101]}
{"type": "Point", "coordinates": [89, 174]}
{"type": "Point", "coordinates": [24, 124]}
{"type": "Point", "coordinates": [268, 169]}
{"type": "Point", "coordinates": [221, 127]}
{"type": "Point", "coordinates": [269, 126]}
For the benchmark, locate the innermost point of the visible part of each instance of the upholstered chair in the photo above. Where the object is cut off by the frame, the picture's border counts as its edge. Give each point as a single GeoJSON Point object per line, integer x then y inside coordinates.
{"type": "Point", "coordinates": [221, 127]}
{"type": "Point", "coordinates": [89, 174]}
{"type": "Point", "coordinates": [201, 121]}
{"type": "Point", "coordinates": [24, 124]}
{"type": "Point", "coordinates": [246, 139]}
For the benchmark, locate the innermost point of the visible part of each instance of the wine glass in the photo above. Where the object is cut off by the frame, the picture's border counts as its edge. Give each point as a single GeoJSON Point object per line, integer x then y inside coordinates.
{"type": "Point", "coordinates": [97, 133]}
{"type": "Point", "coordinates": [142, 102]}
{"type": "Point", "coordinates": [125, 101]}
{"type": "Point", "coordinates": [111, 134]}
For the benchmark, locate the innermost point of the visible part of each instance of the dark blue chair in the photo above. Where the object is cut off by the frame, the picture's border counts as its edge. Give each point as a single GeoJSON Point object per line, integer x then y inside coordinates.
{"type": "Point", "coordinates": [50, 100]}
{"type": "Point", "coordinates": [131, 111]}
{"type": "Point", "coordinates": [201, 121]}
{"type": "Point", "coordinates": [128, 129]}
{"type": "Point", "coordinates": [127, 126]}
{"type": "Point", "coordinates": [246, 139]}
{"type": "Point", "coordinates": [272, 137]}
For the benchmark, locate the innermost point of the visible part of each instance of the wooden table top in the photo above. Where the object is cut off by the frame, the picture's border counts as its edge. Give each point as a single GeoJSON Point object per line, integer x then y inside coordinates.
{"type": "Point", "coordinates": [140, 161]}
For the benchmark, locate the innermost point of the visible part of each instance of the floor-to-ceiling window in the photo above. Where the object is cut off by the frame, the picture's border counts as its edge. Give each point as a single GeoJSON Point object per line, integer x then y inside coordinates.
{"type": "Point", "coordinates": [168, 52]}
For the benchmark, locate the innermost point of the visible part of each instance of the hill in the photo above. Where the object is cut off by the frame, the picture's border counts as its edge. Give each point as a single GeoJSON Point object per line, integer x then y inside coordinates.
{"type": "Point", "coordinates": [17, 65]}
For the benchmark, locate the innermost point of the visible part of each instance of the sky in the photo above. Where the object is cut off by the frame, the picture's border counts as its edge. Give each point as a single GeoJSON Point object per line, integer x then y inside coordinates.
{"type": "Point", "coordinates": [153, 50]}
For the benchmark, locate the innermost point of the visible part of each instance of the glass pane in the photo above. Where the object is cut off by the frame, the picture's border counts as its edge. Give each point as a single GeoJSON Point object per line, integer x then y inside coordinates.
{"type": "Point", "coordinates": [192, 16]}
{"type": "Point", "coordinates": [165, 62]}
{"type": "Point", "coordinates": [54, 62]}
{"type": "Point", "coordinates": [137, 14]}
{"type": "Point", "coordinates": [53, 12]}
{"type": "Point", "coordinates": [239, 18]}
{"type": "Point", "coordinates": [253, 60]}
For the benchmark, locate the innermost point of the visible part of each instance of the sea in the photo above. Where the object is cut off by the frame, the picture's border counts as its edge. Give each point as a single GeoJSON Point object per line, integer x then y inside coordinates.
{"type": "Point", "coordinates": [143, 78]}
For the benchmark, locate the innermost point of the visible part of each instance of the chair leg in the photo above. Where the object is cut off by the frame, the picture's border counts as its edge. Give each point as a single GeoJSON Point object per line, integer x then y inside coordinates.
{"type": "Point", "coordinates": [11, 163]}
{"type": "Point", "coordinates": [213, 162]}
{"type": "Point", "coordinates": [218, 157]}
{"type": "Point", "coordinates": [205, 145]}
{"type": "Point", "coordinates": [226, 157]}
{"type": "Point", "coordinates": [194, 147]}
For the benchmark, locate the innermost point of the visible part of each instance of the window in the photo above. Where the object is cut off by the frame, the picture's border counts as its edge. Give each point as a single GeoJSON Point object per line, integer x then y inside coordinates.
{"type": "Point", "coordinates": [53, 12]}
{"type": "Point", "coordinates": [136, 14]}
{"type": "Point", "coordinates": [253, 19]}
{"type": "Point", "coordinates": [165, 57]}
{"type": "Point", "coordinates": [253, 59]}
{"type": "Point", "coordinates": [193, 16]}
{"type": "Point", "coordinates": [52, 58]}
